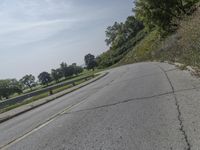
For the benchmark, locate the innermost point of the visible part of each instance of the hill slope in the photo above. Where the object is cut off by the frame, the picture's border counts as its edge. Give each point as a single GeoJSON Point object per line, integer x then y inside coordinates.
{"type": "Point", "coordinates": [183, 46]}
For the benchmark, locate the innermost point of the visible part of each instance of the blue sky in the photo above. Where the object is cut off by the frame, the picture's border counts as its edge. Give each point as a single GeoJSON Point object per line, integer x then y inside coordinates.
{"type": "Point", "coordinates": [37, 35]}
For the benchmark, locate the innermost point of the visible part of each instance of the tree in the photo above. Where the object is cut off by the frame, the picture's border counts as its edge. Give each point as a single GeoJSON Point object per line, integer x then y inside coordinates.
{"type": "Point", "coordinates": [71, 70]}
{"type": "Point", "coordinates": [78, 70]}
{"type": "Point", "coordinates": [112, 32]}
{"type": "Point", "coordinates": [119, 33]}
{"type": "Point", "coordinates": [9, 87]}
{"type": "Point", "coordinates": [105, 59]}
{"type": "Point", "coordinates": [56, 74]}
{"type": "Point", "coordinates": [132, 26]}
{"type": "Point", "coordinates": [45, 78]}
{"type": "Point", "coordinates": [161, 13]}
{"type": "Point", "coordinates": [28, 81]}
{"type": "Point", "coordinates": [64, 69]}
{"type": "Point", "coordinates": [121, 37]}
{"type": "Point", "coordinates": [90, 61]}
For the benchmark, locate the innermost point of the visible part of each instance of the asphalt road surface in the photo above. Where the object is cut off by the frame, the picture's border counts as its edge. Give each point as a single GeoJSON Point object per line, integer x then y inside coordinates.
{"type": "Point", "coordinates": [144, 106]}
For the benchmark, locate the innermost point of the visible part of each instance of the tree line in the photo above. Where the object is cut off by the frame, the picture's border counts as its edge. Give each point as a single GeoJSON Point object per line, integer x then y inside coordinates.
{"type": "Point", "coordinates": [9, 87]}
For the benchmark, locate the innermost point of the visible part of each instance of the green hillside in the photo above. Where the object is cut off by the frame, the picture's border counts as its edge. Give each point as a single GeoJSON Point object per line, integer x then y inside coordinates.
{"type": "Point", "coordinates": [161, 33]}
{"type": "Point", "coordinates": [182, 46]}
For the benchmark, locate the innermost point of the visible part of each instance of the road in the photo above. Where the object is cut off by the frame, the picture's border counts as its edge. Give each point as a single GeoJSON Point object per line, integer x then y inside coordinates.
{"type": "Point", "coordinates": [144, 106]}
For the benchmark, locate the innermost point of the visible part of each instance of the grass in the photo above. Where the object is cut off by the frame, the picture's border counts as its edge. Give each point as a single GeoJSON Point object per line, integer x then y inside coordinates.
{"type": "Point", "coordinates": [143, 50]}
{"type": "Point", "coordinates": [61, 89]}
{"type": "Point", "coordinates": [184, 45]}
{"type": "Point", "coordinates": [46, 94]}
{"type": "Point", "coordinates": [35, 98]}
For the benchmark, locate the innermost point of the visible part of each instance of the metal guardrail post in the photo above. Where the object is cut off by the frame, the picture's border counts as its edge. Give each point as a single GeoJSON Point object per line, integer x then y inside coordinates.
{"type": "Point", "coordinates": [51, 92]}
{"type": "Point", "coordinates": [73, 83]}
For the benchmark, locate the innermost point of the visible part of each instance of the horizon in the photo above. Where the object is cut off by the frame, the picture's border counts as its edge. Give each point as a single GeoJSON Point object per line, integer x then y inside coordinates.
{"type": "Point", "coordinates": [38, 35]}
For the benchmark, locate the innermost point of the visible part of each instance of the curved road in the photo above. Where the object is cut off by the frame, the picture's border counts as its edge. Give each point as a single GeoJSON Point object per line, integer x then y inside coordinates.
{"type": "Point", "coordinates": [144, 106]}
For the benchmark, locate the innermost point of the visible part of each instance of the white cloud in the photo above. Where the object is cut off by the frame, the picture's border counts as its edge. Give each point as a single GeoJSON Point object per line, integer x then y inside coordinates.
{"type": "Point", "coordinates": [26, 21]}
{"type": "Point", "coordinates": [23, 33]}
{"type": "Point", "coordinates": [39, 34]}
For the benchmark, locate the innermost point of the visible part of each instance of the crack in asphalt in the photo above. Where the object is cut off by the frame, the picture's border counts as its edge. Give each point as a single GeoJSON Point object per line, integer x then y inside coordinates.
{"type": "Point", "coordinates": [129, 100]}
{"type": "Point", "coordinates": [138, 98]}
{"type": "Point", "coordinates": [120, 102]}
{"type": "Point", "coordinates": [179, 110]}
{"type": "Point", "coordinates": [136, 78]}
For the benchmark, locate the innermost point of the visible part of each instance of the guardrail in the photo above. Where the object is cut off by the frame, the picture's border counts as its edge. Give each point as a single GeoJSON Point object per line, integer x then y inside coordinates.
{"type": "Point", "coordinates": [49, 89]}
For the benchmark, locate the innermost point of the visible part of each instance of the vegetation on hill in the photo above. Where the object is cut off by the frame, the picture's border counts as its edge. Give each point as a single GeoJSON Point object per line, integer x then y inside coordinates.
{"type": "Point", "coordinates": [121, 37]}
{"type": "Point", "coordinates": [181, 46]}
{"type": "Point", "coordinates": [163, 30]}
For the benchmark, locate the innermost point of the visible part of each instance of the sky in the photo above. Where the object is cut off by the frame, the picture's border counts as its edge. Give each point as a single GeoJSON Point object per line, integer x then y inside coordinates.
{"type": "Point", "coordinates": [37, 35]}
